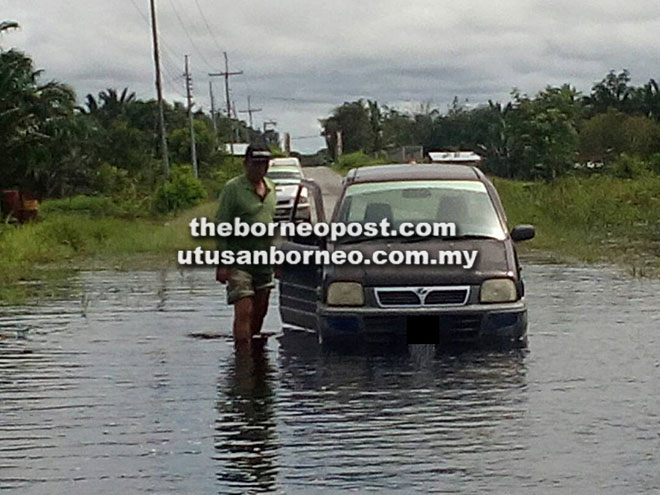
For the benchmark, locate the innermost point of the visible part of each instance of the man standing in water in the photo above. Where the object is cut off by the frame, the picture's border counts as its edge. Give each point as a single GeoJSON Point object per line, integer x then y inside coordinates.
{"type": "Point", "coordinates": [251, 198]}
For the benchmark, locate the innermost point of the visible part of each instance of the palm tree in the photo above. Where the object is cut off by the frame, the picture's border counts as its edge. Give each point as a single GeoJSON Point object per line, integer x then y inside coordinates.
{"type": "Point", "coordinates": [29, 112]}
{"type": "Point", "coordinates": [109, 105]}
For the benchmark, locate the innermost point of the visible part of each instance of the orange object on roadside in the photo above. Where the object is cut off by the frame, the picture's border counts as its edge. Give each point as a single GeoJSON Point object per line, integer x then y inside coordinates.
{"type": "Point", "coordinates": [21, 205]}
{"type": "Point", "coordinates": [11, 201]}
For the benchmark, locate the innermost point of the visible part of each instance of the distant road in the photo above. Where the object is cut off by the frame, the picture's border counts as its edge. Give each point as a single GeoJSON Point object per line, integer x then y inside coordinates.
{"type": "Point", "coordinates": [330, 182]}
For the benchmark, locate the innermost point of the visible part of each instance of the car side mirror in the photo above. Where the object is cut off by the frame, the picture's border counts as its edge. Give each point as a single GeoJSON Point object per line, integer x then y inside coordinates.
{"type": "Point", "coordinates": [523, 233]}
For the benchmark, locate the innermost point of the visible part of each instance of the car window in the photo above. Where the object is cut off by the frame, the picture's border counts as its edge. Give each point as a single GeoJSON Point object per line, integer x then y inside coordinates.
{"type": "Point", "coordinates": [465, 203]}
{"type": "Point", "coordinates": [283, 175]}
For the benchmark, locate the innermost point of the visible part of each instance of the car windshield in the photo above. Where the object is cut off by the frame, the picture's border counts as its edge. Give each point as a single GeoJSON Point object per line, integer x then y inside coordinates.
{"type": "Point", "coordinates": [465, 203]}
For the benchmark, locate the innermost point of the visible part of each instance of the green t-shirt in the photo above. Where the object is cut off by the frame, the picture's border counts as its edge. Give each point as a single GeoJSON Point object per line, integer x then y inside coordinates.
{"type": "Point", "coordinates": [238, 200]}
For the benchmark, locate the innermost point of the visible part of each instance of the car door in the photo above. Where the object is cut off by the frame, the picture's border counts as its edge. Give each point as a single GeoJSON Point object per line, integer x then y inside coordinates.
{"type": "Point", "coordinates": [300, 284]}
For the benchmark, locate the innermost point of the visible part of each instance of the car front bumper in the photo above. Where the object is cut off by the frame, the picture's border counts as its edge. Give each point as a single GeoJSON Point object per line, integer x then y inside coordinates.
{"type": "Point", "coordinates": [470, 323]}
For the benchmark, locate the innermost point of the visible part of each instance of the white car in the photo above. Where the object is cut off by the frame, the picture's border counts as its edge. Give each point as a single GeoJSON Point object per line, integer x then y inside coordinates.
{"type": "Point", "coordinates": [289, 161]}
{"type": "Point", "coordinates": [286, 179]}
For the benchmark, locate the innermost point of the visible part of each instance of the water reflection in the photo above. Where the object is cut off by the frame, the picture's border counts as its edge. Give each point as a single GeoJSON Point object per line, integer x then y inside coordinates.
{"type": "Point", "coordinates": [422, 420]}
{"type": "Point", "coordinates": [245, 438]}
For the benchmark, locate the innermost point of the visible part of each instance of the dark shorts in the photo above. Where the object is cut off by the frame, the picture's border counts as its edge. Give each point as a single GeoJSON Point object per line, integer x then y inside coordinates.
{"type": "Point", "coordinates": [242, 284]}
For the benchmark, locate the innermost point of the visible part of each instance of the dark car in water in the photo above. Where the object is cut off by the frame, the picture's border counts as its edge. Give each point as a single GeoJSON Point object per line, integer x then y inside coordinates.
{"type": "Point", "coordinates": [480, 302]}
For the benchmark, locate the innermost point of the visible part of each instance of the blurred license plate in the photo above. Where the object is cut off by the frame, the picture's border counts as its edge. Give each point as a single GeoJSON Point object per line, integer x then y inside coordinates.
{"type": "Point", "coordinates": [423, 329]}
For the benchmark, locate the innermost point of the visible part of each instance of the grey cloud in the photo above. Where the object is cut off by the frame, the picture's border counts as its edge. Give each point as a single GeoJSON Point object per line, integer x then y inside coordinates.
{"type": "Point", "coordinates": [303, 57]}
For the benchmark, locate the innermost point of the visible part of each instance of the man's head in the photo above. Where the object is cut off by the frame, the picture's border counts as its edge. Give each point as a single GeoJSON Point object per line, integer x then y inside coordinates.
{"type": "Point", "coordinates": [256, 162]}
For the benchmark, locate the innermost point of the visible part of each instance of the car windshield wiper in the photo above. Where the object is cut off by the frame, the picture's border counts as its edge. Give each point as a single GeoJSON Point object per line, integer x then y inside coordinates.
{"type": "Point", "coordinates": [420, 238]}
{"type": "Point", "coordinates": [475, 236]}
{"type": "Point", "coordinates": [355, 240]}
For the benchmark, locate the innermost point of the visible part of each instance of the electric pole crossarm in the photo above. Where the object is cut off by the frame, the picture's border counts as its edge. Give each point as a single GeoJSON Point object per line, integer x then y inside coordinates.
{"type": "Point", "coordinates": [250, 110]}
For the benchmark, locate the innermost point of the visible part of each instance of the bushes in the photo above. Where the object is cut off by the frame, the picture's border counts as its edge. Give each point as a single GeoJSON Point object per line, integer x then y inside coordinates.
{"type": "Point", "coordinates": [629, 167]}
{"type": "Point", "coordinates": [356, 160]}
{"type": "Point", "coordinates": [230, 168]}
{"type": "Point", "coordinates": [178, 192]}
{"type": "Point", "coordinates": [598, 217]}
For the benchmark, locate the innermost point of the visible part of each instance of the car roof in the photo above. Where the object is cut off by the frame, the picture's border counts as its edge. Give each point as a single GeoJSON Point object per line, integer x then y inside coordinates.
{"type": "Point", "coordinates": [288, 160]}
{"type": "Point", "coordinates": [402, 172]}
{"type": "Point", "coordinates": [284, 168]}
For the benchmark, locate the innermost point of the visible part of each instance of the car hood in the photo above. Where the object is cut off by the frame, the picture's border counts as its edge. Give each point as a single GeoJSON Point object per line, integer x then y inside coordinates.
{"type": "Point", "coordinates": [286, 190]}
{"type": "Point", "coordinates": [495, 258]}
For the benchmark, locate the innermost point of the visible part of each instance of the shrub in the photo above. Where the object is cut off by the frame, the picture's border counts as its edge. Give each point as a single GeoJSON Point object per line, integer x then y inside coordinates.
{"type": "Point", "coordinates": [629, 167]}
{"type": "Point", "coordinates": [178, 192]}
{"type": "Point", "coordinates": [230, 168]}
{"type": "Point", "coordinates": [358, 159]}
{"type": "Point", "coordinates": [654, 163]}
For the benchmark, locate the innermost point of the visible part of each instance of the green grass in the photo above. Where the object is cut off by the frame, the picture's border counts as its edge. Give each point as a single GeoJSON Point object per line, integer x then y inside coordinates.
{"type": "Point", "coordinates": [59, 243]}
{"type": "Point", "coordinates": [355, 160]}
{"type": "Point", "coordinates": [594, 219]}
{"type": "Point", "coordinates": [98, 206]}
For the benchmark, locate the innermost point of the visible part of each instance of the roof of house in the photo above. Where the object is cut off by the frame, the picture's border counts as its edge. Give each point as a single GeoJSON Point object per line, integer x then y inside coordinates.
{"type": "Point", "coordinates": [239, 149]}
{"type": "Point", "coordinates": [454, 156]}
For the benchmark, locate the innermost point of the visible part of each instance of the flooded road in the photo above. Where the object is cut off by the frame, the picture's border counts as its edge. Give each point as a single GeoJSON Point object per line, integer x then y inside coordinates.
{"type": "Point", "coordinates": [132, 386]}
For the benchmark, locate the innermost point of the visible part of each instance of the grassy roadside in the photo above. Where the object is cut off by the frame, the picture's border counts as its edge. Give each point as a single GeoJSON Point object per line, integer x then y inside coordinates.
{"type": "Point", "coordinates": [53, 248]}
{"type": "Point", "coordinates": [357, 159]}
{"type": "Point", "coordinates": [590, 219]}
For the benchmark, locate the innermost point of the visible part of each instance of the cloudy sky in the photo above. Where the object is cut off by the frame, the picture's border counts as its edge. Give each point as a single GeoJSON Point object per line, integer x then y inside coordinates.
{"type": "Point", "coordinates": [301, 58]}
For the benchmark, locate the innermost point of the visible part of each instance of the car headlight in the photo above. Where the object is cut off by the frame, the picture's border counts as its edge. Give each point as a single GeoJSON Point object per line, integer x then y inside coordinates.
{"type": "Point", "coordinates": [498, 290]}
{"type": "Point", "coordinates": [345, 294]}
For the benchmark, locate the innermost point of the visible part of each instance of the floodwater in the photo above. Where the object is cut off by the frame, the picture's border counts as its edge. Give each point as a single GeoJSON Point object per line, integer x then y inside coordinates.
{"type": "Point", "coordinates": [132, 386]}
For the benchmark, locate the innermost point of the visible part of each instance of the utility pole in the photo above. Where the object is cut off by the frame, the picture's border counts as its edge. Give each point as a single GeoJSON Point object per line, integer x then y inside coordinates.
{"type": "Point", "coordinates": [287, 144]}
{"type": "Point", "coordinates": [250, 110]}
{"type": "Point", "coordinates": [159, 92]}
{"type": "Point", "coordinates": [226, 74]}
{"type": "Point", "coordinates": [193, 147]}
{"type": "Point", "coordinates": [237, 130]}
{"type": "Point", "coordinates": [215, 125]}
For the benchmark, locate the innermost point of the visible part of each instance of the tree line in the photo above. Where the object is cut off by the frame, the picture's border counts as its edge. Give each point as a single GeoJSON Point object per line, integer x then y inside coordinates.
{"type": "Point", "coordinates": [54, 147]}
{"type": "Point", "coordinates": [616, 127]}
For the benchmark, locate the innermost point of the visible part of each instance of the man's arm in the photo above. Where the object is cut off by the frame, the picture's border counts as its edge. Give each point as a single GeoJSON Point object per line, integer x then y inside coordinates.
{"type": "Point", "coordinates": [224, 214]}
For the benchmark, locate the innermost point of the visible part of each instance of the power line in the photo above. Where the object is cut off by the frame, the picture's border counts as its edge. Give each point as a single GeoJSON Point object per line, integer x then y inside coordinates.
{"type": "Point", "coordinates": [208, 27]}
{"type": "Point", "coordinates": [250, 110]}
{"type": "Point", "coordinates": [167, 62]}
{"type": "Point", "coordinates": [192, 42]}
{"type": "Point", "coordinates": [146, 20]}
{"type": "Point", "coordinates": [299, 100]}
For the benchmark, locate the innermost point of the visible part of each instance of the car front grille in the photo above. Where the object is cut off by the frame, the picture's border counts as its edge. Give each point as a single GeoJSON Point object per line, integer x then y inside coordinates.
{"type": "Point", "coordinates": [409, 297]}
{"type": "Point", "coordinates": [398, 298]}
